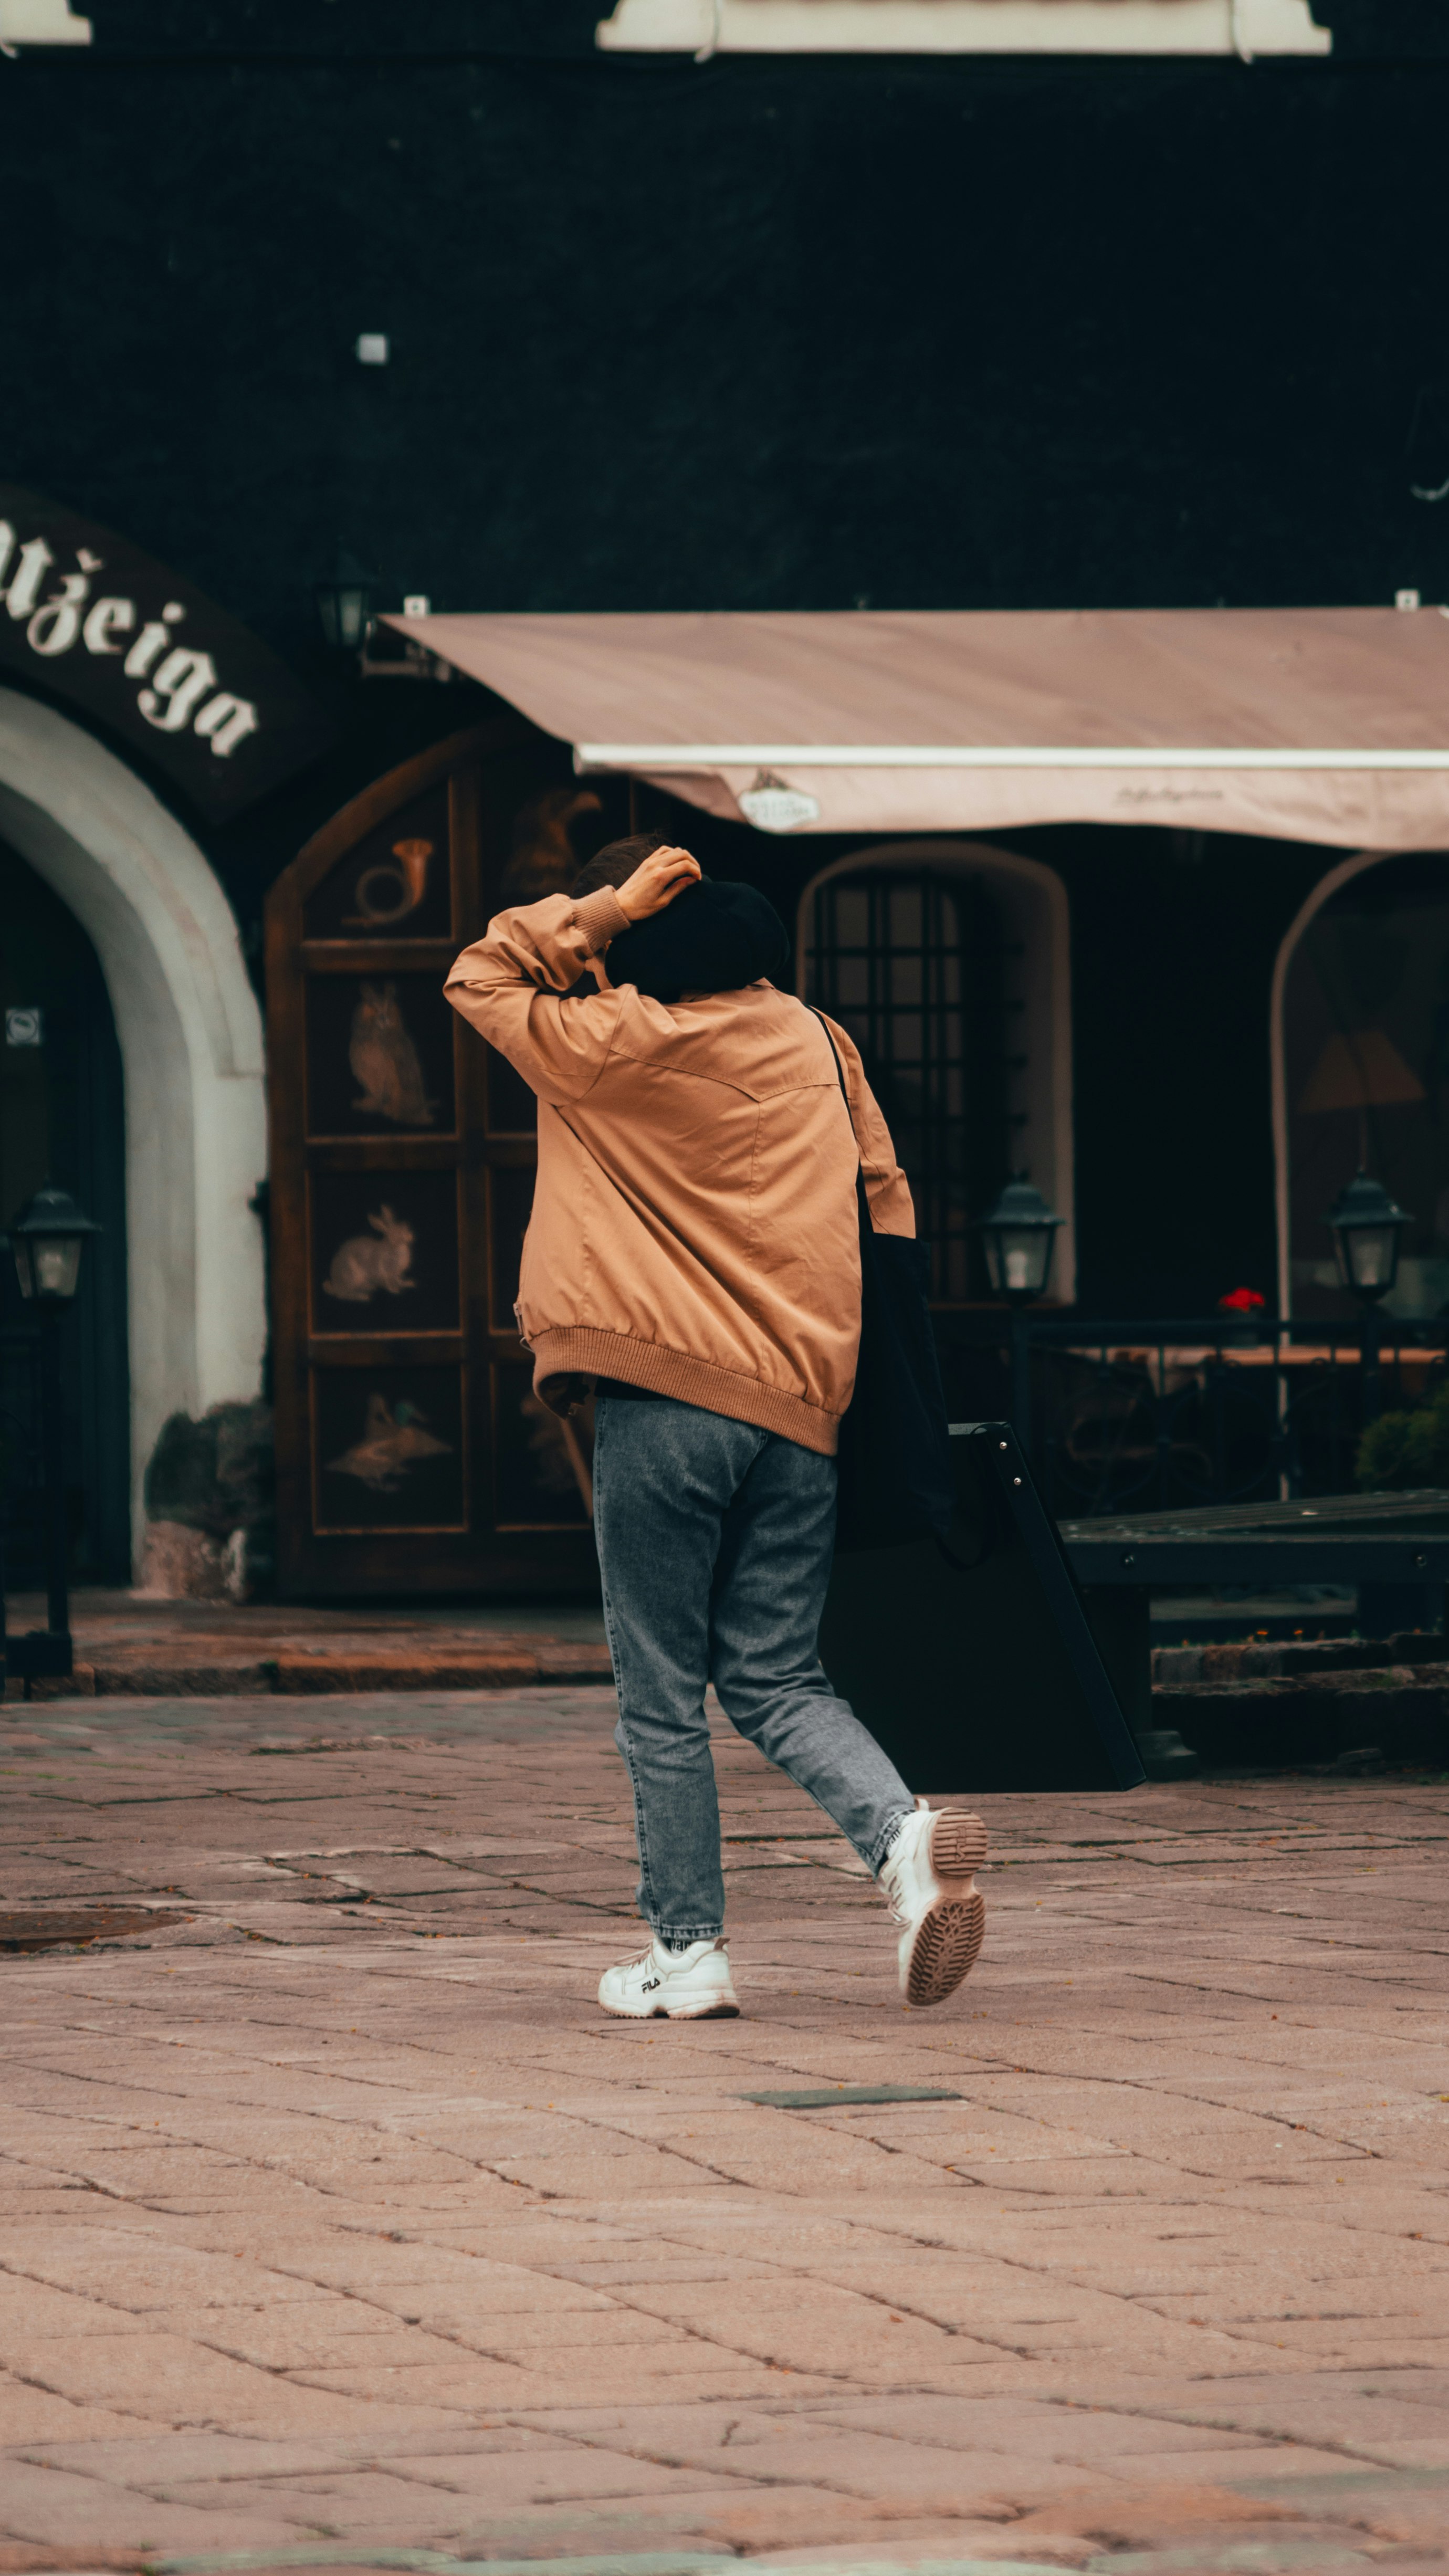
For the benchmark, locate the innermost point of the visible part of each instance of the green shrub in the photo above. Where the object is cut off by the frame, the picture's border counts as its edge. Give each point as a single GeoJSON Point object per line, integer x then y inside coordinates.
{"type": "Point", "coordinates": [1407, 1449]}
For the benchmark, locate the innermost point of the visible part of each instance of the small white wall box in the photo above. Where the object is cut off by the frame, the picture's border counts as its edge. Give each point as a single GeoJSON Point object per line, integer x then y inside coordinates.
{"type": "Point", "coordinates": [42, 22]}
{"type": "Point", "coordinates": [372, 348]}
{"type": "Point", "coordinates": [1406, 599]}
{"type": "Point", "coordinates": [25, 1025]}
{"type": "Point", "coordinates": [417, 604]}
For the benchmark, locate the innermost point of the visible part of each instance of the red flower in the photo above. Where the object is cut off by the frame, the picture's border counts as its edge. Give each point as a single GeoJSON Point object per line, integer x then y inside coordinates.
{"type": "Point", "coordinates": [1240, 1301]}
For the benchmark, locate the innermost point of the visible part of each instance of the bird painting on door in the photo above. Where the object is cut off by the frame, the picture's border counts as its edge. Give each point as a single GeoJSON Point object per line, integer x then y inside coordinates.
{"type": "Point", "coordinates": [543, 859]}
{"type": "Point", "coordinates": [394, 1438]}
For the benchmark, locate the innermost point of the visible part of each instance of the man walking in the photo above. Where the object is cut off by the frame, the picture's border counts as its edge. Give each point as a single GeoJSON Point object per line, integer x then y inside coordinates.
{"type": "Point", "coordinates": [693, 1254]}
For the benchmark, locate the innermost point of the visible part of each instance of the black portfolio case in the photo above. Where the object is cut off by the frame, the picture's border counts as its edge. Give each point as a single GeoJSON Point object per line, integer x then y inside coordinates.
{"type": "Point", "coordinates": [973, 1664]}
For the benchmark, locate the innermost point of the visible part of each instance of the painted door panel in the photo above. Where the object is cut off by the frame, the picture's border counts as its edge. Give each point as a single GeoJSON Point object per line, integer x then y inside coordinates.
{"type": "Point", "coordinates": [412, 1454]}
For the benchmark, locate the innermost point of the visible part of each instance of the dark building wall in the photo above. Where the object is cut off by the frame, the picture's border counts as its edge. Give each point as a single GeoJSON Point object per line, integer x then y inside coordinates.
{"type": "Point", "coordinates": [763, 333]}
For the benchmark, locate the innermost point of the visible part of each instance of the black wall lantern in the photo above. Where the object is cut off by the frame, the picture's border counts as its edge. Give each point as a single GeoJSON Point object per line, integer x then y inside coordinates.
{"type": "Point", "coordinates": [344, 602]}
{"type": "Point", "coordinates": [1020, 1234]}
{"type": "Point", "coordinates": [1367, 1225]}
{"type": "Point", "coordinates": [47, 1239]}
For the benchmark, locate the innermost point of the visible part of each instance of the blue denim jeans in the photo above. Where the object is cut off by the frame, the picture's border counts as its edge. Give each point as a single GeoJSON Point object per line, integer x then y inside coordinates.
{"type": "Point", "coordinates": [715, 1540]}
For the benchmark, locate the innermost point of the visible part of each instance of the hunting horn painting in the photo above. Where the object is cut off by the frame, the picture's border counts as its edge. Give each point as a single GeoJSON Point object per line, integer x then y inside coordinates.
{"type": "Point", "coordinates": [391, 888]}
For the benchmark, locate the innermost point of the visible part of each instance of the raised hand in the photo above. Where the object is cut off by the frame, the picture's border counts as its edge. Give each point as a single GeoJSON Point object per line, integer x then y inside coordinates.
{"type": "Point", "coordinates": [656, 881]}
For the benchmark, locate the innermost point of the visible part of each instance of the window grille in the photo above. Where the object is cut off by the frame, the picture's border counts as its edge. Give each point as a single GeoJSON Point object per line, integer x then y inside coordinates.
{"type": "Point", "coordinates": [911, 965]}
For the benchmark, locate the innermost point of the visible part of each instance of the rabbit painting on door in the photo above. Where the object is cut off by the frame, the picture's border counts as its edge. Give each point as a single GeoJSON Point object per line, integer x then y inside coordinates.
{"type": "Point", "coordinates": [385, 1061]}
{"type": "Point", "coordinates": [362, 1266]}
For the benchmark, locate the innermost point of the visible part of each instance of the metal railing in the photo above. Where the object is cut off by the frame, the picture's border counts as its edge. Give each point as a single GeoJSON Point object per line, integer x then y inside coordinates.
{"type": "Point", "coordinates": [22, 1465]}
{"type": "Point", "coordinates": [1121, 1414]}
{"type": "Point", "coordinates": [34, 1538]}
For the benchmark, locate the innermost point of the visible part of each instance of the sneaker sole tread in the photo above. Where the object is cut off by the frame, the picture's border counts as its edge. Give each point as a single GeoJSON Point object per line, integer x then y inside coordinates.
{"type": "Point", "coordinates": [945, 1949]}
{"type": "Point", "coordinates": [661, 2012]}
{"type": "Point", "coordinates": [958, 1843]}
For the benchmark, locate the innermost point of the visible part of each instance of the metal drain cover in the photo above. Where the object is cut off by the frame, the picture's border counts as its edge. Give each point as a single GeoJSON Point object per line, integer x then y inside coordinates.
{"type": "Point", "coordinates": [40, 1931]}
{"type": "Point", "coordinates": [840, 2095]}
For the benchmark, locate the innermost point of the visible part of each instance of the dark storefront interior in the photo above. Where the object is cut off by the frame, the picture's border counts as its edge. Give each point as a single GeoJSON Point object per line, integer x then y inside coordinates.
{"type": "Point", "coordinates": [62, 1112]}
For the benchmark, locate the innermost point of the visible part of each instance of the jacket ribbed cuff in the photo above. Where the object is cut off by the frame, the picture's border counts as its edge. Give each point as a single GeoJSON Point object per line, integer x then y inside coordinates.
{"type": "Point", "coordinates": [601, 917]}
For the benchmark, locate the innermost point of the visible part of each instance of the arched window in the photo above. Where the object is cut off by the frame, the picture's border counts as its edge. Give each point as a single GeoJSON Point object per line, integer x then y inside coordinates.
{"type": "Point", "coordinates": [911, 964]}
{"type": "Point", "coordinates": [947, 963]}
{"type": "Point", "coordinates": [1361, 1072]}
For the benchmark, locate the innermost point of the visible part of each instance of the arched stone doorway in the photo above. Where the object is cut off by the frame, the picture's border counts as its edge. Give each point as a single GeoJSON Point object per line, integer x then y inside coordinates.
{"type": "Point", "coordinates": [189, 1034]}
{"type": "Point", "coordinates": [1359, 1037]}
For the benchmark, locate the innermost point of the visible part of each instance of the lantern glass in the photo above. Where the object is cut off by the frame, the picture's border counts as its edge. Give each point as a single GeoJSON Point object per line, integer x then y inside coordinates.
{"type": "Point", "coordinates": [1368, 1258]}
{"type": "Point", "coordinates": [46, 1240]}
{"type": "Point", "coordinates": [344, 603]}
{"type": "Point", "coordinates": [48, 1266]}
{"type": "Point", "coordinates": [1018, 1234]}
{"type": "Point", "coordinates": [1019, 1258]}
{"type": "Point", "coordinates": [350, 610]}
{"type": "Point", "coordinates": [1366, 1225]}
{"type": "Point", "coordinates": [55, 1259]}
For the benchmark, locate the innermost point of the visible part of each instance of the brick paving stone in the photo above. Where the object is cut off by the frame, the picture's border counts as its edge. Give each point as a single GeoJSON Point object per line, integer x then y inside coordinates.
{"type": "Point", "coordinates": [31, 2414]}
{"type": "Point", "coordinates": [55, 2506]}
{"type": "Point", "coordinates": [336, 2215]}
{"type": "Point", "coordinates": [182, 2464]}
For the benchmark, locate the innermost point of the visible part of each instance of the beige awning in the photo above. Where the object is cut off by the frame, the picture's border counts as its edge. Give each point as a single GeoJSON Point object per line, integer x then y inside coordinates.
{"type": "Point", "coordinates": [1320, 724]}
{"type": "Point", "coordinates": [704, 28]}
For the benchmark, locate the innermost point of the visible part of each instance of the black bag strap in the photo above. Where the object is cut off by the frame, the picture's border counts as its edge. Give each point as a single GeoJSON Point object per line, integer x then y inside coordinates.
{"type": "Point", "coordinates": [839, 1076]}
{"type": "Point", "coordinates": [956, 1562]}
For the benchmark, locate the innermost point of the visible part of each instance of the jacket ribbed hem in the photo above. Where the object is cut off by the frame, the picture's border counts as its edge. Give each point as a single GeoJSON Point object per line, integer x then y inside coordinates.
{"type": "Point", "coordinates": [581, 1351]}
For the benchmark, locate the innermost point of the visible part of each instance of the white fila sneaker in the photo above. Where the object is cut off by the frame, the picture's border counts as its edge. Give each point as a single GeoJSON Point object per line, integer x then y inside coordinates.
{"type": "Point", "coordinates": [672, 1985]}
{"type": "Point", "coordinates": [926, 1878]}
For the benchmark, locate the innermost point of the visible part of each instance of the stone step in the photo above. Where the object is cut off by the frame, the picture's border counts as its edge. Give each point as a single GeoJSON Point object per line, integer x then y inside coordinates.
{"type": "Point", "coordinates": [1399, 1709]}
{"type": "Point", "coordinates": [310, 1672]}
{"type": "Point", "coordinates": [1254, 1658]}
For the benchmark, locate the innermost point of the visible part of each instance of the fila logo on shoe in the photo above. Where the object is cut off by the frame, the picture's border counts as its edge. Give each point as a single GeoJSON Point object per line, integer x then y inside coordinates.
{"type": "Point", "coordinates": [692, 1984]}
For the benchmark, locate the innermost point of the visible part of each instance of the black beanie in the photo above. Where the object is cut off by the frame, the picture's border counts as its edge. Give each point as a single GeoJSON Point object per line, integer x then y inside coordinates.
{"type": "Point", "coordinates": [711, 939]}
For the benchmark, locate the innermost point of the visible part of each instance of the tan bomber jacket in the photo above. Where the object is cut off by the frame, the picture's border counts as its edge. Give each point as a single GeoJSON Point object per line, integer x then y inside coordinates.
{"type": "Point", "coordinates": [694, 1220]}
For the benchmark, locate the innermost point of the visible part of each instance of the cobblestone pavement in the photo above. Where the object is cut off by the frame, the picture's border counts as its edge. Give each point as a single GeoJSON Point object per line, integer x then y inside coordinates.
{"type": "Point", "coordinates": [336, 2220]}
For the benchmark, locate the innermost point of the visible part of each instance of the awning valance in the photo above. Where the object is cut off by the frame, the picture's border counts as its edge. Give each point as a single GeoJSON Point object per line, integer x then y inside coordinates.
{"type": "Point", "coordinates": [1325, 725]}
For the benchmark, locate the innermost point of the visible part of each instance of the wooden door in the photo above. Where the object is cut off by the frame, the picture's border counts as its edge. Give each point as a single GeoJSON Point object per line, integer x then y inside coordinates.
{"type": "Point", "coordinates": [412, 1455]}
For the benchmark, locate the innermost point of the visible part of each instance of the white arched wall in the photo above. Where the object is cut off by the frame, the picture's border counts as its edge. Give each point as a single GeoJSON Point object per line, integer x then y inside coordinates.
{"type": "Point", "coordinates": [1326, 888]}
{"type": "Point", "coordinates": [1033, 902]}
{"type": "Point", "coordinates": [190, 1035]}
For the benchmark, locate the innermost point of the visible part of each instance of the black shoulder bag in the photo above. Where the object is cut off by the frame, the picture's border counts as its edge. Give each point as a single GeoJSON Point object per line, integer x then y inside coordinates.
{"type": "Point", "coordinates": [895, 1449]}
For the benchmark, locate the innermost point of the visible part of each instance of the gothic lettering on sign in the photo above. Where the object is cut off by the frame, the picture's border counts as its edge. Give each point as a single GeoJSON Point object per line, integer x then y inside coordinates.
{"type": "Point", "coordinates": [88, 616]}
